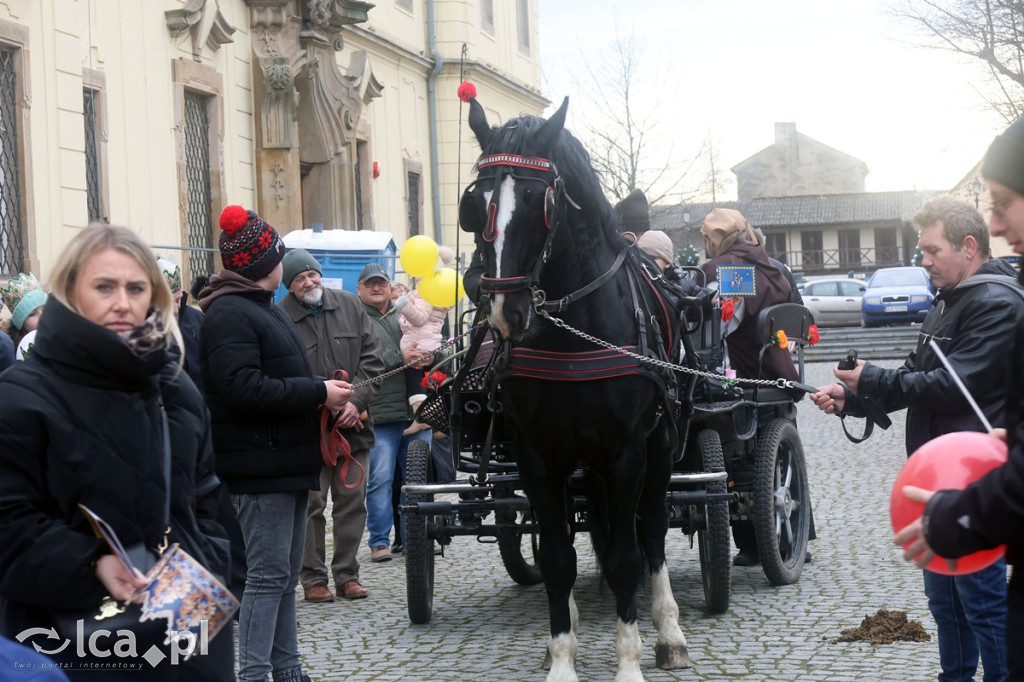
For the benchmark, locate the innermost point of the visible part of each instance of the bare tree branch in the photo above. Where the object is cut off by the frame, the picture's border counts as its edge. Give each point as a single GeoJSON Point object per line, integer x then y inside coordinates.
{"type": "Point", "coordinates": [990, 31]}
{"type": "Point", "coordinates": [618, 121]}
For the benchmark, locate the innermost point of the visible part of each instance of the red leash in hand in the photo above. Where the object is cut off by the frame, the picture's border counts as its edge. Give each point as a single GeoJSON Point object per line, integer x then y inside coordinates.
{"type": "Point", "coordinates": [333, 444]}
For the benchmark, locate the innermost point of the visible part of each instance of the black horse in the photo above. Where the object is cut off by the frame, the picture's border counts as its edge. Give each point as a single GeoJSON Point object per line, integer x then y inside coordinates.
{"type": "Point", "coordinates": [551, 251]}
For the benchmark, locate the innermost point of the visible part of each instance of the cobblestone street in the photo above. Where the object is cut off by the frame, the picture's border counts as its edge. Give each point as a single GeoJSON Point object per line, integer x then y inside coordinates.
{"type": "Point", "coordinates": [485, 627]}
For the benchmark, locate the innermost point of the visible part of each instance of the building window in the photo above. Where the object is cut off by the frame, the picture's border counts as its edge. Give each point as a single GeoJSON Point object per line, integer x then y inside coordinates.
{"type": "Point", "coordinates": [12, 252]}
{"type": "Point", "coordinates": [849, 248]}
{"type": "Point", "coordinates": [413, 203]}
{"type": "Point", "coordinates": [886, 249]}
{"type": "Point", "coordinates": [775, 245]}
{"type": "Point", "coordinates": [404, 4]}
{"type": "Point", "coordinates": [523, 7]}
{"type": "Point", "coordinates": [811, 245]}
{"type": "Point", "coordinates": [487, 17]}
{"type": "Point", "coordinates": [197, 175]}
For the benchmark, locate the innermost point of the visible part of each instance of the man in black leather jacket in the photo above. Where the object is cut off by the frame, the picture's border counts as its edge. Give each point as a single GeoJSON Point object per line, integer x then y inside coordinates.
{"type": "Point", "coordinates": [978, 308]}
{"type": "Point", "coordinates": [990, 511]}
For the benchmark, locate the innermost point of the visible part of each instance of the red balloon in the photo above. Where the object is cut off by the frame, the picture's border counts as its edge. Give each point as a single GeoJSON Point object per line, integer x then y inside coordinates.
{"type": "Point", "coordinates": [954, 460]}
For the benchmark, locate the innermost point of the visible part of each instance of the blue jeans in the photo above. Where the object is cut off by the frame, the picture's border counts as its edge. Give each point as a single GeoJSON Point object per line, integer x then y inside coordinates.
{"type": "Point", "coordinates": [274, 528]}
{"type": "Point", "coordinates": [970, 613]}
{"type": "Point", "coordinates": [388, 451]}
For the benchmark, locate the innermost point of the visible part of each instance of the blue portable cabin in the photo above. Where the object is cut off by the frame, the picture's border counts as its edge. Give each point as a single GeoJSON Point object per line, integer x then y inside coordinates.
{"type": "Point", "coordinates": [342, 254]}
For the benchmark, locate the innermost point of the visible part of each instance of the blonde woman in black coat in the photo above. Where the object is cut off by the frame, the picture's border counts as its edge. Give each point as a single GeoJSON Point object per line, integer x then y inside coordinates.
{"type": "Point", "coordinates": [83, 422]}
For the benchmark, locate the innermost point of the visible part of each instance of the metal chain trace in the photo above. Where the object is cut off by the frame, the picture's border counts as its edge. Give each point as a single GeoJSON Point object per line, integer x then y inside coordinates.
{"type": "Point", "coordinates": [779, 383]}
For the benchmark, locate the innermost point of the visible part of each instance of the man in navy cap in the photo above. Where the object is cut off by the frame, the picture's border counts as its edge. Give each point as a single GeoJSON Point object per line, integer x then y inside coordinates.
{"type": "Point", "coordinates": [390, 410]}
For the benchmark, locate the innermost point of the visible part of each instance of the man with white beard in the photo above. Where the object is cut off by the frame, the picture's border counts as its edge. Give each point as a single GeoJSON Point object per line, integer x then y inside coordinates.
{"type": "Point", "coordinates": [338, 334]}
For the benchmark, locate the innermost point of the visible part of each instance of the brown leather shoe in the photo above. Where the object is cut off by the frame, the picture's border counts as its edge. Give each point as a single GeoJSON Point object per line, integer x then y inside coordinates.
{"type": "Point", "coordinates": [318, 593]}
{"type": "Point", "coordinates": [380, 553]}
{"type": "Point", "coordinates": [352, 589]}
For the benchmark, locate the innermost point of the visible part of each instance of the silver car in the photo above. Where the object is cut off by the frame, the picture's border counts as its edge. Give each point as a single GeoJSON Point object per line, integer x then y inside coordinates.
{"type": "Point", "coordinates": [834, 301]}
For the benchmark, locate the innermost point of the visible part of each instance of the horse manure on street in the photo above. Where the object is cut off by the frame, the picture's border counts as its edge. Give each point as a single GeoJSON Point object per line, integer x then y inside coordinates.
{"type": "Point", "coordinates": [885, 627]}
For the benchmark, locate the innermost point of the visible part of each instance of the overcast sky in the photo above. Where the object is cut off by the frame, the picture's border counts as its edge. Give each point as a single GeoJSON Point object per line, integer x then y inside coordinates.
{"type": "Point", "coordinates": [842, 70]}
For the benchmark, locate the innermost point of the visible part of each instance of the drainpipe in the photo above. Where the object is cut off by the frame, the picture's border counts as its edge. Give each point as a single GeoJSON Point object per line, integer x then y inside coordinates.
{"type": "Point", "coordinates": [435, 181]}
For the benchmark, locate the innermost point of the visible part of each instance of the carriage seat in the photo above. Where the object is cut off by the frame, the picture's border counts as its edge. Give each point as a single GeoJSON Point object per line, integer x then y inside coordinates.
{"type": "Point", "coordinates": [793, 319]}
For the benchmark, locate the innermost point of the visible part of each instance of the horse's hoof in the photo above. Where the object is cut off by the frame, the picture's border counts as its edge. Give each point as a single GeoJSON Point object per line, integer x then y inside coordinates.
{"type": "Point", "coordinates": [672, 657]}
{"type": "Point", "coordinates": [547, 659]}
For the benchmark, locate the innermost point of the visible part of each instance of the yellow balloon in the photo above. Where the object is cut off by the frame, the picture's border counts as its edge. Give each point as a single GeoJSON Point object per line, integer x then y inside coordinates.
{"type": "Point", "coordinates": [419, 255]}
{"type": "Point", "coordinates": [442, 288]}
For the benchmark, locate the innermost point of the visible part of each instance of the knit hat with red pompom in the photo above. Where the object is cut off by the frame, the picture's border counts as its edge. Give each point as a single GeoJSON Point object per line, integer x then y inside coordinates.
{"type": "Point", "coordinates": [248, 245]}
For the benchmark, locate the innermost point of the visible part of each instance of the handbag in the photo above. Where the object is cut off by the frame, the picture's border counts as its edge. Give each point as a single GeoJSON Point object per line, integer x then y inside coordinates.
{"type": "Point", "coordinates": [163, 608]}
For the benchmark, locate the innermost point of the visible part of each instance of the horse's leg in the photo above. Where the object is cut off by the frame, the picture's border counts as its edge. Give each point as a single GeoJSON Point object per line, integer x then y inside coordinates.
{"type": "Point", "coordinates": [622, 562]}
{"type": "Point", "coordinates": [556, 558]}
{"type": "Point", "coordinates": [670, 650]}
{"type": "Point", "coordinates": [574, 619]}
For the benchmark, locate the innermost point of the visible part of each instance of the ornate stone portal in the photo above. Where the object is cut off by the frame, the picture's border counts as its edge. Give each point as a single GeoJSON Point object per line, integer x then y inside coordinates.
{"type": "Point", "coordinates": [307, 110]}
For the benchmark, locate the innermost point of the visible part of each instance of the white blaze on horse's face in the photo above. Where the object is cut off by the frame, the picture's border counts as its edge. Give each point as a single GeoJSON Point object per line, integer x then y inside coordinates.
{"type": "Point", "coordinates": [506, 209]}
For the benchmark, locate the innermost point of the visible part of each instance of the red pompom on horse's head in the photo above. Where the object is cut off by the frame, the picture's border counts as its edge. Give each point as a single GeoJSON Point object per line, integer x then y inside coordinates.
{"type": "Point", "coordinates": [233, 218]}
{"type": "Point", "coordinates": [466, 91]}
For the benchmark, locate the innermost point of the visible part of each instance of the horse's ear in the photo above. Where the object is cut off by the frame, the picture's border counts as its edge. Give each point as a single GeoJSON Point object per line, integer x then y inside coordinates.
{"type": "Point", "coordinates": [478, 121]}
{"type": "Point", "coordinates": [548, 132]}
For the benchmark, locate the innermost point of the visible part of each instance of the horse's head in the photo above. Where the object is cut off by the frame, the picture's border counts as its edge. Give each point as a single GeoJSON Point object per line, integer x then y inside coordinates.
{"type": "Point", "coordinates": [511, 208]}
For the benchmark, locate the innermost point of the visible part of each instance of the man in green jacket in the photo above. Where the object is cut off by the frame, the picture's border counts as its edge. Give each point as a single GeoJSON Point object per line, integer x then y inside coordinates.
{"type": "Point", "coordinates": [337, 334]}
{"type": "Point", "coordinates": [390, 409]}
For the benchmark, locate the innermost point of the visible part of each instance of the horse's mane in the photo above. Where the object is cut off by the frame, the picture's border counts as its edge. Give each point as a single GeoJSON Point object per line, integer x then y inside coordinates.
{"type": "Point", "coordinates": [516, 136]}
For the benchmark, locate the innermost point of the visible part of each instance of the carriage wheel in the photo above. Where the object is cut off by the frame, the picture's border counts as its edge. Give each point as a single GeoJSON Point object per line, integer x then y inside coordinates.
{"type": "Point", "coordinates": [781, 502]}
{"type": "Point", "coordinates": [419, 546]}
{"type": "Point", "coordinates": [713, 539]}
{"type": "Point", "coordinates": [510, 544]}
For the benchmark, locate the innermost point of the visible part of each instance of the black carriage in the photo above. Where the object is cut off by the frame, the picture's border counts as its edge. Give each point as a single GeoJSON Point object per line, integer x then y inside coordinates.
{"type": "Point", "coordinates": [740, 461]}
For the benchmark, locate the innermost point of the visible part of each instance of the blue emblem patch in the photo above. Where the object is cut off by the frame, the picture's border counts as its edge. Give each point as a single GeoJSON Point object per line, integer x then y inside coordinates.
{"type": "Point", "coordinates": [737, 280]}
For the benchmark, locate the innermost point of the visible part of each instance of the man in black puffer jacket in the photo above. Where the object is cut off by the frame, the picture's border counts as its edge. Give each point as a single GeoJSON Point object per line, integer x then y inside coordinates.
{"type": "Point", "coordinates": [973, 319]}
{"type": "Point", "coordinates": [263, 403]}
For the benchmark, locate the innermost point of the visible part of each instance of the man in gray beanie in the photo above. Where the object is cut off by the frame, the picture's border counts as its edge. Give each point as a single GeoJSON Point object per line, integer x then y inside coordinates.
{"type": "Point", "coordinates": [337, 334]}
{"type": "Point", "coordinates": [990, 511]}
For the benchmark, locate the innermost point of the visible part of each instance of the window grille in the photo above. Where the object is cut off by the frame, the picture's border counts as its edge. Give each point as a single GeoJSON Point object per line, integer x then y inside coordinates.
{"type": "Point", "coordinates": [414, 203]}
{"type": "Point", "coordinates": [197, 174]}
{"type": "Point", "coordinates": [92, 156]}
{"type": "Point", "coordinates": [404, 4]}
{"type": "Point", "coordinates": [12, 254]}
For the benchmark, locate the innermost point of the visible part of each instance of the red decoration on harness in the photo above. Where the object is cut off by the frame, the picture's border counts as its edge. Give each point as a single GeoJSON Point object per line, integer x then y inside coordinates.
{"type": "Point", "coordinates": [516, 160]}
{"type": "Point", "coordinates": [490, 232]}
{"type": "Point", "coordinates": [728, 309]}
{"type": "Point", "coordinates": [434, 379]}
{"type": "Point", "coordinates": [812, 335]}
{"type": "Point", "coordinates": [466, 90]}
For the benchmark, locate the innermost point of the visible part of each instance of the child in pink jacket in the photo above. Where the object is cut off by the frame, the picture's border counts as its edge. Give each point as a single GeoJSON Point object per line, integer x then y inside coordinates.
{"type": "Point", "coordinates": [421, 325]}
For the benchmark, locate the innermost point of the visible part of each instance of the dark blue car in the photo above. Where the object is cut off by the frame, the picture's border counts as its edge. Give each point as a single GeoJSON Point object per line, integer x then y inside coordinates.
{"type": "Point", "coordinates": [896, 296]}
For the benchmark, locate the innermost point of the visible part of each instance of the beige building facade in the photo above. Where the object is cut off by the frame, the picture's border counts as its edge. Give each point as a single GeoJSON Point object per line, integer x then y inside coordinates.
{"type": "Point", "coordinates": [157, 114]}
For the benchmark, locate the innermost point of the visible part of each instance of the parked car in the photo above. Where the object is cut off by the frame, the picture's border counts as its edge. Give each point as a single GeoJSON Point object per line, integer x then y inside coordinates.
{"type": "Point", "coordinates": [834, 301]}
{"type": "Point", "coordinates": [896, 296]}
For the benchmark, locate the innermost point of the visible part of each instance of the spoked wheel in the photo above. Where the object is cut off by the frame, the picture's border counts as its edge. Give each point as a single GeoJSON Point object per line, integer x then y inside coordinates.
{"type": "Point", "coordinates": [521, 567]}
{"type": "Point", "coordinates": [419, 546]}
{"type": "Point", "coordinates": [781, 502]}
{"type": "Point", "coordinates": [713, 538]}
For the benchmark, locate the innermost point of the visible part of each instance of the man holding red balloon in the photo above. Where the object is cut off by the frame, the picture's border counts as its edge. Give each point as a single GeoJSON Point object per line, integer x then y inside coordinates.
{"type": "Point", "coordinates": [990, 511]}
{"type": "Point", "coordinates": [977, 309]}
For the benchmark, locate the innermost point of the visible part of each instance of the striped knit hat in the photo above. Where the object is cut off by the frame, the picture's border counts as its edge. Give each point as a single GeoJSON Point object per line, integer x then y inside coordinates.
{"type": "Point", "coordinates": [248, 245]}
